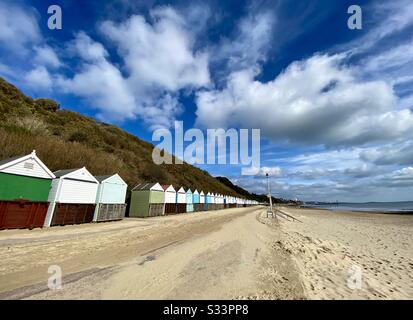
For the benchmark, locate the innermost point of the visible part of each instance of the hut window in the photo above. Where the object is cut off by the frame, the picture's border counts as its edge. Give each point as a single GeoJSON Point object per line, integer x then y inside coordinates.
{"type": "Point", "coordinates": [29, 165]}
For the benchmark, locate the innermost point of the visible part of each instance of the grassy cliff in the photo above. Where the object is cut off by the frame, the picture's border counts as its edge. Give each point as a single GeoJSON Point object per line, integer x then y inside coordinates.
{"type": "Point", "coordinates": [64, 139]}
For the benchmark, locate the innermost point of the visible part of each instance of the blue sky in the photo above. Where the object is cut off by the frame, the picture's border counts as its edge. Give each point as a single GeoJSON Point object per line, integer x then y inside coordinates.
{"type": "Point", "coordinates": [334, 105]}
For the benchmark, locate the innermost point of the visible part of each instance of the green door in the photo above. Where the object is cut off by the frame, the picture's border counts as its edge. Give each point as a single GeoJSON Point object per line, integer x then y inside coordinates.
{"type": "Point", "coordinates": [14, 187]}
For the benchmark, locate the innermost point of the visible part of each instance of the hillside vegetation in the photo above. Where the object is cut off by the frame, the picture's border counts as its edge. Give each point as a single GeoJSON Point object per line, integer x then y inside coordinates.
{"type": "Point", "coordinates": [64, 139]}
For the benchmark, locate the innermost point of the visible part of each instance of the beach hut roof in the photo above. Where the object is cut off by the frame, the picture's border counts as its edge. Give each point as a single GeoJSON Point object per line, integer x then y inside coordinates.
{"type": "Point", "coordinates": [168, 188]}
{"type": "Point", "coordinates": [62, 173]}
{"type": "Point", "coordinates": [8, 163]}
{"type": "Point", "coordinates": [181, 190]}
{"type": "Point", "coordinates": [188, 191]}
{"type": "Point", "coordinates": [2, 162]}
{"type": "Point", "coordinates": [196, 191]}
{"type": "Point", "coordinates": [202, 193]}
{"type": "Point", "coordinates": [112, 178]}
{"type": "Point", "coordinates": [81, 174]}
{"type": "Point", "coordinates": [148, 186]}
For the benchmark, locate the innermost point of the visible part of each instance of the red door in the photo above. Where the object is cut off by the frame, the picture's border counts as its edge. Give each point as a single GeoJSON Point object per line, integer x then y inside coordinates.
{"type": "Point", "coordinates": [73, 214]}
{"type": "Point", "coordinates": [22, 214]}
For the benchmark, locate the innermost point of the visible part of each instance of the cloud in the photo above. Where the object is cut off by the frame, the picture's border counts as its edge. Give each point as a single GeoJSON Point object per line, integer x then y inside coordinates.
{"type": "Point", "coordinates": [396, 57]}
{"type": "Point", "coordinates": [115, 96]}
{"type": "Point", "coordinates": [46, 56]}
{"type": "Point", "coordinates": [39, 78]}
{"type": "Point", "coordinates": [87, 49]}
{"type": "Point", "coordinates": [393, 65]}
{"type": "Point", "coordinates": [251, 43]}
{"type": "Point", "coordinates": [159, 54]}
{"type": "Point", "coordinates": [18, 28]}
{"type": "Point", "coordinates": [157, 60]}
{"type": "Point", "coordinates": [263, 171]}
{"type": "Point", "coordinates": [99, 81]}
{"type": "Point", "coordinates": [390, 18]}
{"type": "Point", "coordinates": [315, 101]}
{"type": "Point", "coordinates": [393, 154]}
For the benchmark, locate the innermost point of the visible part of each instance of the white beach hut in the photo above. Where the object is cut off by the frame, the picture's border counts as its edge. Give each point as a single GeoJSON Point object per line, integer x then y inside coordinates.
{"type": "Point", "coordinates": [72, 197]}
{"type": "Point", "coordinates": [181, 200]}
{"type": "Point", "coordinates": [170, 199]}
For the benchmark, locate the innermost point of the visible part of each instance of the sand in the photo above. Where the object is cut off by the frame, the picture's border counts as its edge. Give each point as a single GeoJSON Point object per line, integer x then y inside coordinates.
{"type": "Point", "coordinates": [225, 254]}
{"type": "Point", "coordinates": [328, 246]}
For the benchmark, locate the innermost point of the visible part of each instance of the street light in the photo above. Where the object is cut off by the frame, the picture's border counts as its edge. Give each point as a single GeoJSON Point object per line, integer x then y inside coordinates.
{"type": "Point", "coordinates": [269, 192]}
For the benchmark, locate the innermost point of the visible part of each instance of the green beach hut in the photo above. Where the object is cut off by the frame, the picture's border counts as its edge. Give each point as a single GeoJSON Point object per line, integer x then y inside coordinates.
{"type": "Point", "coordinates": [25, 183]}
{"type": "Point", "coordinates": [147, 200]}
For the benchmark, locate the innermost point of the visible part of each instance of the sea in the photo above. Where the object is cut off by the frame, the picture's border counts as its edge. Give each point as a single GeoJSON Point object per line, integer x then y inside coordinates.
{"type": "Point", "coordinates": [404, 206]}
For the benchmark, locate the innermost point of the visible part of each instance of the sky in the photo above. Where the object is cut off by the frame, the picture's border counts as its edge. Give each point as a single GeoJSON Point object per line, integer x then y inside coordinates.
{"type": "Point", "coordinates": [334, 105]}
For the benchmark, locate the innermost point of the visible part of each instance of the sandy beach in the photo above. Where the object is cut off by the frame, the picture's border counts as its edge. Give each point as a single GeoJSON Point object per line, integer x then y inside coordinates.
{"type": "Point", "coordinates": [227, 254]}
{"type": "Point", "coordinates": [329, 245]}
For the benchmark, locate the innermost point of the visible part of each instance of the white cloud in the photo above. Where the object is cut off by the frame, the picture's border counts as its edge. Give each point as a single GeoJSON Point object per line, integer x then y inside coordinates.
{"type": "Point", "coordinates": [263, 171]}
{"type": "Point", "coordinates": [272, 171]}
{"type": "Point", "coordinates": [250, 45]}
{"type": "Point", "coordinates": [39, 78]}
{"type": "Point", "coordinates": [158, 59]}
{"type": "Point", "coordinates": [87, 49]}
{"type": "Point", "coordinates": [99, 82]}
{"type": "Point", "coordinates": [160, 54]}
{"type": "Point", "coordinates": [18, 28]}
{"type": "Point", "coordinates": [395, 57]}
{"type": "Point", "coordinates": [46, 56]}
{"type": "Point", "coordinates": [316, 101]}
{"type": "Point", "coordinates": [115, 96]}
{"type": "Point", "coordinates": [405, 172]}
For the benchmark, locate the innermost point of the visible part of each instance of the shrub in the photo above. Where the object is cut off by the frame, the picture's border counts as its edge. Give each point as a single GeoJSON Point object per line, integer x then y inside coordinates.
{"type": "Point", "coordinates": [78, 137]}
{"type": "Point", "coordinates": [47, 104]}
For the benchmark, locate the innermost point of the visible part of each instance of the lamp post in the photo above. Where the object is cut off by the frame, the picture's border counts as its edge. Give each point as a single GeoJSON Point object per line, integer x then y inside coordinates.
{"type": "Point", "coordinates": [269, 191]}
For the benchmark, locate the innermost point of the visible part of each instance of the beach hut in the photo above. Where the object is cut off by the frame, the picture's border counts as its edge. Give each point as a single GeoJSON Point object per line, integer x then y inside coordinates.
{"type": "Point", "coordinates": [196, 197]}
{"type": "Point", "coordinates": [170, 199]}
{"type": "Point", "coordinates": [216, 201]}
{"type": "Point", "coordinates": [219, 202]}
{"type": "Point", "coordinates": [181, 200]}
{"type": "Point", "coordinates": [197, 202]}
{"type": "Point", "coordinates": [110, 198]}
{"type": "Point", "coordinates": [189, 201]}
{"type": "Point", "coordinates": [230, 202]}
{"type": "Point", "coordinates": [147, 200]}
{"type": "Point", "coordinates": [208, 201]}
{"type": "Point", "coordinates": [202, 200]}
{"type": "Point", "coordinates": [25, 183]}
{"type": "Point", "coordinates": [226, 202]}
{"type": "Point", "coordinates": [72, 197]}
